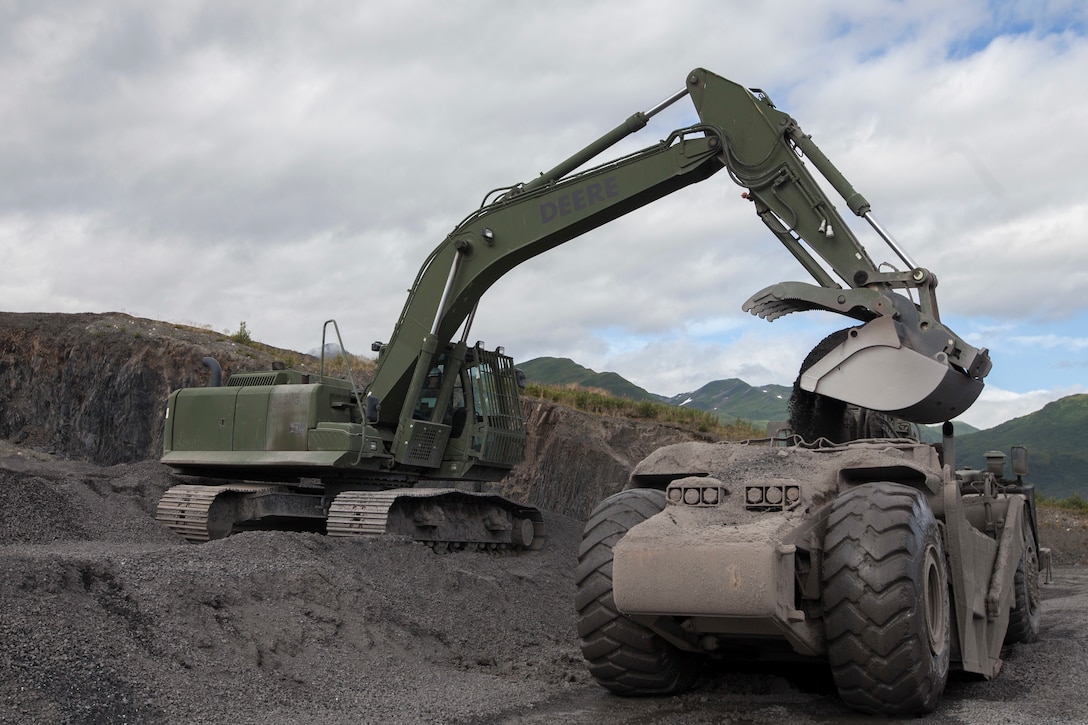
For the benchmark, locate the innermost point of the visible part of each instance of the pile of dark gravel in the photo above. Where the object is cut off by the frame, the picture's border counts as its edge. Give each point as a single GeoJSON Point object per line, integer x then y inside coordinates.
{"type": "Point", "coordinates": [108, 617]}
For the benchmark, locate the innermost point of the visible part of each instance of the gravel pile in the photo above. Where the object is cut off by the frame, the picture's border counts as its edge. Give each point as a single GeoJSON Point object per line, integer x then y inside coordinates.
{"type": "Point", "coordinates": [108, 617]}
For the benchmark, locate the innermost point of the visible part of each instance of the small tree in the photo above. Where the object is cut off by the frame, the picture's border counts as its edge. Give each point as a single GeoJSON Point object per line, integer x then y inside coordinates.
{"type": "Point", "coordinates": [242, 335]}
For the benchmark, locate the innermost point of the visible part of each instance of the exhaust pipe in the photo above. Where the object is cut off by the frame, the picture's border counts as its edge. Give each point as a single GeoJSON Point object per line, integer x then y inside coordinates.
{"type": "Point", "coordinates": [948, 444]}
{"type": "Point", "coordinates": [216, 378]}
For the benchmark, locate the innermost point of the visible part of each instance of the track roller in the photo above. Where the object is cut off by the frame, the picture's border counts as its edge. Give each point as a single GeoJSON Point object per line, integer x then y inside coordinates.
{"type": "Point", "coordinates": [443, 518]}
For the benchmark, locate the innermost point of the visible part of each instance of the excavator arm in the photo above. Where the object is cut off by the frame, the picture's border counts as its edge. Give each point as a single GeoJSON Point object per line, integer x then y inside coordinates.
{"type": "Point", "coordinates": [900, 360]}
{"type": "Point", "coordinates": [521, 224]}
{"type": "Point", "coordinates": [903, 360]}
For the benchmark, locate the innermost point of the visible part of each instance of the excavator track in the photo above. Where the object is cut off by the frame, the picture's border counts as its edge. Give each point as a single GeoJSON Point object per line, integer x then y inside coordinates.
{"type": "Point", "coordinates": [190, 509]}
{"type": "Point", "coordinates": [444, 519]}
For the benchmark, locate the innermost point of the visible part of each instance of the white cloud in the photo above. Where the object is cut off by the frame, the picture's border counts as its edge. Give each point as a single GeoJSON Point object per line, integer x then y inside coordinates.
{"type": "Point", "coordinates": [995, 406]}
{"type": "Point", "coordinates": [218, 162]}
{"type": "Point", "coordinates": [1050, 342]}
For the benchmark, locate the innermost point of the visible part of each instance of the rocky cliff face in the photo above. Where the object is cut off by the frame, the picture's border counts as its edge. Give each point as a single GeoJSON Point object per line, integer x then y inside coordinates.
{"type": "Point", "coordinates": [92, 387]}
{"type": "Point", "coordinates": [573, 460]}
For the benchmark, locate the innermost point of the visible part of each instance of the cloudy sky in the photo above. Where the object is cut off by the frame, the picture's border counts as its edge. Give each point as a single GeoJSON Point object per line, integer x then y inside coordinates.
{"type": "Point", "coordinates": [286, 163]}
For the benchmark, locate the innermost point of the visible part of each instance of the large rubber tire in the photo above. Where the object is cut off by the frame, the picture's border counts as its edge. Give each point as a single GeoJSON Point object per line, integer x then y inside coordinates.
{"type": "Point", "coordinates": [812, 415]}
{"type": "Point", "coordinates": [1026, 617]}
{"type": "Point", "coordinates": [624, 657]}
{"type": "Point", "coordinates": [886, 600]}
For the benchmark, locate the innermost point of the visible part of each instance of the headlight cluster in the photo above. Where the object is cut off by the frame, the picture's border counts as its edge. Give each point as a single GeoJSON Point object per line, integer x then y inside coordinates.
{"type": "Point", "coordinates": [696, 492]}
{"type": "Point", "coordinates": [771, 497]}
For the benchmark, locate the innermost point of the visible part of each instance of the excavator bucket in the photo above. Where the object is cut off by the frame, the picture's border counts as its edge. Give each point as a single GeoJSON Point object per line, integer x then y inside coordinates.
{"type": "Point", "coordinates": [873, 368]}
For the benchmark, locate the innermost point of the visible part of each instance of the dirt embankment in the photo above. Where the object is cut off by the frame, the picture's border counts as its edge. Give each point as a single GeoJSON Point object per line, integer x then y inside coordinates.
{"type": "Point", "coordinates": [574, 460]}
{"type": "Point", "coordinates": [1065, 533]}
{"type": "Point", "coordinates": [93, 386]}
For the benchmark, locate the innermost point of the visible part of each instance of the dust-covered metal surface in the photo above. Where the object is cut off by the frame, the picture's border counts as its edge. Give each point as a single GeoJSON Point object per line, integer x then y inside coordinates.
{"type": "Point", "coordinates": [868, 555]}
{"type": "Point", "coordinates": [730, 565]}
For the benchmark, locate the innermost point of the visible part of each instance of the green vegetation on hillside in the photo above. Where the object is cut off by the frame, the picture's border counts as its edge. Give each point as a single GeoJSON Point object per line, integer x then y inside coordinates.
{"type": "Point", "coordinates": [726, 400]}
{"type": "Point", "coordinates": [1055, 439]}
{"type": "Point", "coordinates": [734, 398]}
{"type": "Point", "coordinates": [1073, 503]}
{"type": "Point", "coordinates": [602, 403]}
{"type": "Point", "coordinates": [560, 371]}
{"type": "Point", "coordinates": [242, 336]}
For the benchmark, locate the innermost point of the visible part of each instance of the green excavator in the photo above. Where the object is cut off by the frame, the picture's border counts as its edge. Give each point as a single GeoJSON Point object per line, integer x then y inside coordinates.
{"type": "Point", "coordinates": [284, 448]}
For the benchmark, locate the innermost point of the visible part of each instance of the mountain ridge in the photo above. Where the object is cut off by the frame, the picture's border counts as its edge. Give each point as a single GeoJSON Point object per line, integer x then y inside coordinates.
{"type": "Point", "coordinates": [1053, 435]}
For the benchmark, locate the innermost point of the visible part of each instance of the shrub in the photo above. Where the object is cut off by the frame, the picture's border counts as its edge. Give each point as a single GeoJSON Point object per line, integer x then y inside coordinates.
{"type": "Point", "coordinates": [242, 335]}
{"type": "Point", "coordinates": [599, 402]}
{"type": "Point", "coordinates": [1073, 503]}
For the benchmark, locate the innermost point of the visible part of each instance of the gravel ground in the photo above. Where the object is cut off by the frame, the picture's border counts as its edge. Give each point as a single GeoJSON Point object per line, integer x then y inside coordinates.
{"type": "Point", "coordinates": [106, 617]}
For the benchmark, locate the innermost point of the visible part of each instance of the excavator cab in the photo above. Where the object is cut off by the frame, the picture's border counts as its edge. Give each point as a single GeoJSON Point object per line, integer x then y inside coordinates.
{"type": "Point", "coordinates": [498, 428]}
{"type": "Point", "coordinates": [467, 414]}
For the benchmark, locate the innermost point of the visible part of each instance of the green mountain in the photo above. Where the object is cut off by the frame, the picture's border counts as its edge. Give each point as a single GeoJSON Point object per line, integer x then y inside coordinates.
{"type": "Point", "coordinates": [727, 399]}
{"type": "Point", "coordinates": [559, 371]}
{"type": "Point", "coordinates": [1055, 438]}
{"type": "Point", "coordinates": [933, 434]}
{"type": "Point", "coordinates": [731, 399]}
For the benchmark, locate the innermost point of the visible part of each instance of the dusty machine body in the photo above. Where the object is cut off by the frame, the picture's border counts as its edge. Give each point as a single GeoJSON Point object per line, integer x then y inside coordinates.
{"type": "Point", "coordinates": [851, 541]}
{"type": "Point", "coordinates": [873, 555]}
